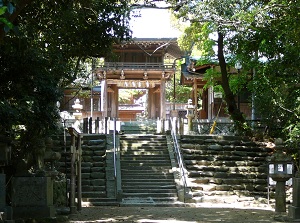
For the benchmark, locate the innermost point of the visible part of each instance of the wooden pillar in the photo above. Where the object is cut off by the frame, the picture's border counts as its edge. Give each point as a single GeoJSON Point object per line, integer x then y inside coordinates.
{"type": "Point", "coordinates": [163, 98]}
{"type": "Point", "coordinates": [114, 101]}
{"type": "Point", "coordinates": [210, 103]}
{"type": "Point", "coordinates": [195, 98]}
{"type": "Point", "coordinates": [104, 97]}
{"type": "Point", "coordinates": [151, 101]}
{"type": "Point", "coordinates": [79, 181]}
{"type": "Point", "coordinates": [117, 101]}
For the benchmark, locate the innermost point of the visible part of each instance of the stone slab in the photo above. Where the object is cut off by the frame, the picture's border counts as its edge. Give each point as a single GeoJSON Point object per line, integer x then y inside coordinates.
{"type": "Point", "coordinates": [294, 212]}
{"type": "Point", "coordinates": [32, 191]}
{"type": "Point", "coordinates": [296, 191]}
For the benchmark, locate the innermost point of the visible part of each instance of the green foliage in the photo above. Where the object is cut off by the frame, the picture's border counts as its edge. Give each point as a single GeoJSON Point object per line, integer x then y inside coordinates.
{"type": "Point", "coordinates": [128, 96]}
{"type": "Point", "coordinates": [264, 37]}
{"type": "Point", "coordinates": [182, 93]}
{"type": "Point", "coordinates": [55, 39]}
{"type": "Point", "coordinates": [3, 11]}
{"type": "Point", "coordinates": [293, 141]}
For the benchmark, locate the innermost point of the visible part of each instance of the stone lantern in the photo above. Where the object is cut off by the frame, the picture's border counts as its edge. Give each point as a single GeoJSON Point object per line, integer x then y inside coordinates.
{"type": "Point", "coordinates": [77, 114]}
{"type": "Point", "coordinates": [190, 114]}
{"type": "Point", "coordinates": [280, 170]}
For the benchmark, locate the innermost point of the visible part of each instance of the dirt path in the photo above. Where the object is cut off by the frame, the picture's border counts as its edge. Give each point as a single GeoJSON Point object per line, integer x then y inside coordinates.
{"type": "Point", "coordinates": [172, 215]}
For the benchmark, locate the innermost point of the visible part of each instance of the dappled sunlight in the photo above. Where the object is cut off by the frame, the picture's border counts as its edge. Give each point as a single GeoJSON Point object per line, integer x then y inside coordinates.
{"type": "Point", "coordinates": [163, 221]}
{"type": "Point", "coordinates": [172, 214]}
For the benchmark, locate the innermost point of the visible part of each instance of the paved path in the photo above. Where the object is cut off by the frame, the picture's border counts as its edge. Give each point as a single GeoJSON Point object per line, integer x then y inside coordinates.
{"type": "Point", "coordinates": [172, 215]}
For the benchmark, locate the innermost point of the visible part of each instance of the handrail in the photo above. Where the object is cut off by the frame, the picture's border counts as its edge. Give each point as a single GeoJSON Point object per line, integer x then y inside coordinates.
{"type": "Point", "coordinates": [115, 148]}
{"type": "Point", "coordinates": [76, 152]}
{"type": "Point", "coordinates": [178, 156]}
{"type": "Point", "coordinates": [128, 65]}
{"type": "Point", "coordinates": [116, 162]}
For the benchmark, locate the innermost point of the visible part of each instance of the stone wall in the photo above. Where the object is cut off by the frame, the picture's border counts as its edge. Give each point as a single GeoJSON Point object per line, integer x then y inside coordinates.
{"type": "Point", "coordinates": [93, 162]}
{"type": "Point", "coordinates": [224, 169]}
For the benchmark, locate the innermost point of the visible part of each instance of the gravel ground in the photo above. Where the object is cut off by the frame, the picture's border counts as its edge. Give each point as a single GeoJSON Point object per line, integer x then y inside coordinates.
{"type": "Point", "coordinates": [173, 214]}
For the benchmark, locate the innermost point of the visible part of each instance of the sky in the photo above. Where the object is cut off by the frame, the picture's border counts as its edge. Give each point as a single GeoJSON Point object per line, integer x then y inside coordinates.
{"type": "Point", "coordinates": [153, 23]}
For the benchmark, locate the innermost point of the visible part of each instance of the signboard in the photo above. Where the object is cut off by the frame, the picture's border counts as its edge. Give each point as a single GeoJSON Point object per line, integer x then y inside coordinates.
{"type": "Point", "coordinates": [217, 94]}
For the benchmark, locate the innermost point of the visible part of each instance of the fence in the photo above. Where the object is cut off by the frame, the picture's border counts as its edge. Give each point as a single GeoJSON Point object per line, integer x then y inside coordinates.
{"type": "Point", "coordinates": [200, 126]}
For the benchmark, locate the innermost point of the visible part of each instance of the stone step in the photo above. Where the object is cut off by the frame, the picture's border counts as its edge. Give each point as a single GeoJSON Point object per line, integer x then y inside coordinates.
{"type": "Point", "coordinates": [152, 137]}
{"type": "Point", "coordinates": [145, 153]}
{"type": "Point", "coordinates": [141, 154]}
{"type": "Point", "coordinates": [144, 148]}
{"type": "Point", "coordinates": [223, 158]}
{"type": "Point", "coordinates": [143, 165]}
{"type": "Point", "coordinates": [149, 190]}
{"type": "Point", "coordinates": [242, 151]}
{"type": "Point", "coordinates": [225, 175]}
{"type": "Point", "coordinates": [225, 163]}
{"type": "Point", "coordinates": [149, 170]}
{"type": "Point", "coordinates": [139, 140]}
{"type": "Point", "coordinates": [239, 193]}
{"type": "Point", "coordinates": [161, 161]}
{"type": "Point", "coordinates": [100, 202]}
{"type": "Point", "coordinates": [153, 204]}
{"type": "Point", "coordinates": [231, 181]}
{"type": "Point", "coordinates": [152, 160]}
{"type": "Point", "coordinates": [162, 168]}
{"type": "Point", "coordinates": [152, 195]}
{"type": "Point", "coordinates": [88, 188]}
{"type": "Point", "coordinates": [157, 181]}
{"type": "Point", "coordinates": [149, 186]}
{"type": "Point", "coordinates": [212, 138]}
{"type": "Point", "coordinates": [243, 169]}
{"type": "Point", "coordinates": [89, 194]}
{"type": "Point", "coordinates": [146, 176]}
{"type": "Point", "coordinates": [226, 187]}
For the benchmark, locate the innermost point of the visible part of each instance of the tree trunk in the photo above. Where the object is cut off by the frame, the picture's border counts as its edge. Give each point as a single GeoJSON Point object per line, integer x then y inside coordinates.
{"type": "Point", "coordinates": [235, 114]}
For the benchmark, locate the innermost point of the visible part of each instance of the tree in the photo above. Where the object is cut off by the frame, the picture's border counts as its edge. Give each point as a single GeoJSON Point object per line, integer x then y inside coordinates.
{"type": "Point", "coordinates": [263, 35]}
{"type": "Point", "coordinates": [273, 50]}
{"type": "Point", "coordinates": [46, 52]}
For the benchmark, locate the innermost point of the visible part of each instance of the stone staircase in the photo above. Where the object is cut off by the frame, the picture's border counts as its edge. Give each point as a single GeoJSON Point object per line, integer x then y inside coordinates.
{"type": "Point", "coordinates": [97, 188]}
{"type": "Point", "coordinates": [220, 170]}
{"type": "Point", "coordinates": [225, 170]}
{"type": "Point", "coordinates": [137, 127]}
{"type": "Point", "coordinates": [146, 171]}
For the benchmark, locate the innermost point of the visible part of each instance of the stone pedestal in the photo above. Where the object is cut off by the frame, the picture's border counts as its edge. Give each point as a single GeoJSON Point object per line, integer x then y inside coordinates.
{"type": "Point", "coordinates": [174, 113]}
{"type": "Point", "coordinates": [280, 196]}
{"type": "Point", "coordinates": [32, 197]}
{"type": "Point", "coordinates": [294, 210]}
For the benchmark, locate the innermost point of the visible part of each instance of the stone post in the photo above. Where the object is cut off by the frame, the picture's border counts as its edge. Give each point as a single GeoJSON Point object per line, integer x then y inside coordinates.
{"type": "Point", "coordinates": [280, 173]}
{"type": "Point", "coordinates": [294, 209]}
{"type": "Point", "coordinates": [77, 114]}
{"type": "Point", "coordinates": [190, 114]}
{"type": "Point", "coordinates": [181, 126]}
{"type": "Point", "coordinates": [174, 121]}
